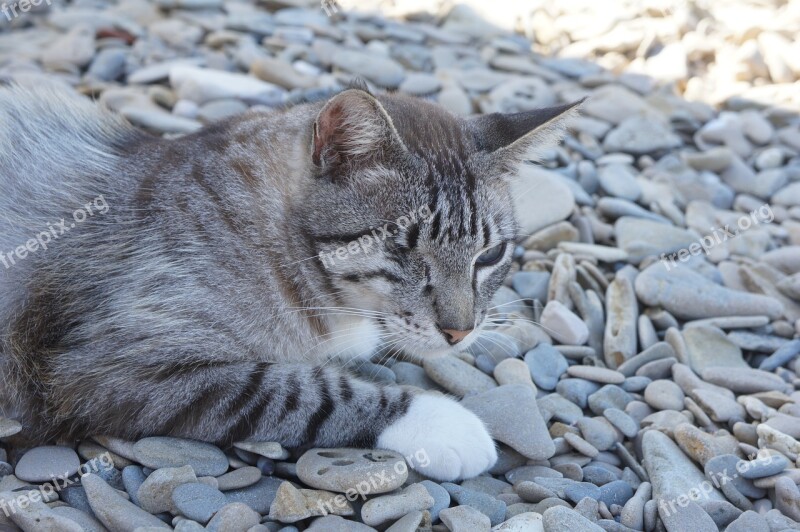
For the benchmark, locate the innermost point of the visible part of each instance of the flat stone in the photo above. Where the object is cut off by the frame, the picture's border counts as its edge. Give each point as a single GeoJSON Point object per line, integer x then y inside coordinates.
{"type": "Point", "coordinates": [540, 199]}
{"type": "Point", "coordinates": [709, 346]}
{"type": "Point", "coordinates": [524, 522]}
{"type": "Point", "coordinates": [596, 374]}
{"type": "Point", "coordinates": [267, 449]}
{"type": "Point", "coordinates": [688, 517]}
{"type": "Point", "coordinates": [334, 523]}
{"type": "Point", "coordinates": [155, 493]}
{"type": "Point", "coordinates": [744, 380]}
{"type": "Point", "coordinates": [749, 521]}
{"type": "Point", "coordinates": [513, 371]}
{"type": "Point", "coordinates": [457, 376]}
{"type": "Point", "coordinates": [239, 478]}
{"type": "Point", "coordinates": [465, 519]}
{"type": "Point", "coordinates": [259, 496]}
{"type": "Point", "coordinates": [559, 518]}
{"type": "Point", "coordinates": [563, 324]}
{"type": "Point", "coordinates": [688, 295]}
{"type": "Point", "coordinates": [664, 395]}
{"type": "Point", "coordinates": [787, 498]}
{"type": "Point", "coordinates": [42, 464]}
{"type": "Point", "coordinates": [233, 517]}
{"type": "Point", "coordinates": [389, 507]}
{"type": "Point", "coordinates": [639, 135]}
{"type": "Point", "coordinates": [702, 446]}
{"type": "Point", "coordinates": [34, 515]}
{"type": "Point", "coordinates": [202, 85]}
{"type": "Point", "coordinates": [762, 467]}
{"type": "Point", "coordinates": [158, 452]}
{"type": "Point", "coordinates": [9, 427]}
{"type": "Point", "coordinates": [339, 470]}
{"type": "Point", "coordinates": [531, 285]}
{"type": "Point", "coordinates": [382, 71]}
{"type": "Point", "coordinates": [440, 496]}
{"type": "Point", "coordinates": [782, 356]}
{"type": "Point", "coordinates": [546, 365]}
{"type": "Point", "coordinates": [484, 503]}
{"type": "Point", "coordinates": [197, 501]}
{"type": "Point", "coordinates": [113, 510]}
{"type": "Point", "coordinates": [512, 416]}
{"type": "Point", "coordinates": [671, 472]}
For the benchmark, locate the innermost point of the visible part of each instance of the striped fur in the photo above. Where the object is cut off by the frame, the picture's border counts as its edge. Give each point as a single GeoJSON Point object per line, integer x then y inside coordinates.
{"type": "Point", "coordinates": [198, 305]}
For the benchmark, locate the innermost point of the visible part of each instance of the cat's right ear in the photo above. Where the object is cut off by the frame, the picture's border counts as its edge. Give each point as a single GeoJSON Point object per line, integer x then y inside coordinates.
{"type": "Point", "coordinates": [350, 131]}
{"type": "Point", "coordinates": [512, 139]}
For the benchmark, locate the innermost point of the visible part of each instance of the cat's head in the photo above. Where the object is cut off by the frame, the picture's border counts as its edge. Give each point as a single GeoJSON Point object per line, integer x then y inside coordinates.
{"type": "Point", "coordinates": [412, 218]}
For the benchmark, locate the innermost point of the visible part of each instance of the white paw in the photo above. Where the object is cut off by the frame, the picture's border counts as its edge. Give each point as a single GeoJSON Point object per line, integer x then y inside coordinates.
{"type": "Point", "coordinates": [441, 439]}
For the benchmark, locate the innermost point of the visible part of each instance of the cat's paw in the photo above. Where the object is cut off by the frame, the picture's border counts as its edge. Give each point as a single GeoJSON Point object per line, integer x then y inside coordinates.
{"type": "Point", "coordinates": [441, 439]}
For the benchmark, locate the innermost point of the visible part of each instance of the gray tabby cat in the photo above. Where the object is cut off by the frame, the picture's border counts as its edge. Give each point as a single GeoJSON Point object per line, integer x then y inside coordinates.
{"type": "Point", "coordinates": [203, 290]}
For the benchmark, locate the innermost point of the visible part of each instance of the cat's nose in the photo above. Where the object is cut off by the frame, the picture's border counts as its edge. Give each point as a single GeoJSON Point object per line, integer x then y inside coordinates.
{"type": "Point", "coordinates": [453, 336]}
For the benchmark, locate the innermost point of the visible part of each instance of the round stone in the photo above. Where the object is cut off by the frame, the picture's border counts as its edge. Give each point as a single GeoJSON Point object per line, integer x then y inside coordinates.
{"type": "Point", "coordinates": [42, 464]}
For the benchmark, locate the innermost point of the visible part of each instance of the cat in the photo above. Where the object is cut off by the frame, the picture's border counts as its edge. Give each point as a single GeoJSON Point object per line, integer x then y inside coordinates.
{"type": "Point", "coordinates": [205, 286]}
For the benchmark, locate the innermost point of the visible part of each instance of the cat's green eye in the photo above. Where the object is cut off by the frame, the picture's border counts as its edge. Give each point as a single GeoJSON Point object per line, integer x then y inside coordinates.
{"type": "Point", "coordinates": [491, 256]}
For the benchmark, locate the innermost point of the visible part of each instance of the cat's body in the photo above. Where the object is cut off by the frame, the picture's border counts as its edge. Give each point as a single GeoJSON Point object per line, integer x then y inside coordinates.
{"type": "Point", "coordinates": [194, 301]}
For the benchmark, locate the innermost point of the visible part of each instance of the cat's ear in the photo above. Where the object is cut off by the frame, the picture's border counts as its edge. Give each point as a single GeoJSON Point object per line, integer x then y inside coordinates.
{"type": "Point", "coordinates": [512, 139]}
{"type": "Point", "coordinates": [351, 130]}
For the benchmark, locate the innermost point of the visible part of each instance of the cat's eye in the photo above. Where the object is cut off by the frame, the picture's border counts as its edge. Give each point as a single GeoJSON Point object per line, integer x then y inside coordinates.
{"type": "Point", "coordinates": [491, 256]}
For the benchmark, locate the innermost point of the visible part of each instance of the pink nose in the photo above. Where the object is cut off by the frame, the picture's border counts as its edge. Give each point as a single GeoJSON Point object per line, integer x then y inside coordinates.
{"type": "Point", "coordinates": [453, 336]}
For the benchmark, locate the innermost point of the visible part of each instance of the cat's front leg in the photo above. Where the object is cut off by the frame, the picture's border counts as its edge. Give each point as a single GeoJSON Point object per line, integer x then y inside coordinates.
{"type": "Point", "coordinates": [454, 442]}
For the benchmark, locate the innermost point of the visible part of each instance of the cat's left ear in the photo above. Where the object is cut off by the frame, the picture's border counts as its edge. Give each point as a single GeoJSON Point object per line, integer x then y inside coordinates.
{"type": "Point", "coordinates": [512, 139]}
{"type": "Point", "coordinates": [351, 130]}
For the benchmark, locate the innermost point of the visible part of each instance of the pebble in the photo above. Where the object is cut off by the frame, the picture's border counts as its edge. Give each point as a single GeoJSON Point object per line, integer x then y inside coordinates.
{"type": "Point", "coordinates": [596, 374]}
{"type": "Point", "coordinates": [531, 285]}
{"type": "Point", "coordinates": [688, 295]}
{"type": "Point", "coordinates": [239, 478]}
{"type": "Point", "coordinates": [339, 470]}
{"type": "Point", "coordinates": [484, 503]}
{"type": "Point", "coordinates": [259, 496]}
{"type": "Point", "coordinates": [41, 464]}
{"type": "Point", "coordinates": [198, 502]}
{"type": "Point", "coordinates": [465, 519]}
{"type": "Point", "coordinates": [558, 518]}
{"type": "Point", "coordinates": [512, 416]}
{"type": "Point", "coordinates": [457, 376]}
{"type": "Point", "coordinates": [232, 517]}
{"type": "Point", "coordinates": [744, 380]}
{"type": "Point", "coordinates": [113, 510]}
{"type": "Point", "coordinates": [664, 395]}
{"type": "Point", "coordinates": [671, 472]}
{"type": "Point", "coordinates": [158, 452]}
{"type": "Point", "coordinates": [540, 199]}
{"type": "Point", "coordinates": [546, 366]}
{"type": "Point", "coordinates": [563, 325]}
{"type": "Point", "coordinates": [440, 496]}
{"type": "Point", "coordinates": [513, 371]}
{"type": "Point", "coordinates": [388, 507]}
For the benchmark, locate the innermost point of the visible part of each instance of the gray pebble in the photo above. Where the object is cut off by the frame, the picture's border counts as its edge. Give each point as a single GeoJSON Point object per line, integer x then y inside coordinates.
{"type": "Point", "coordinates": [41, 464]}
{"type": "Point", "coordinates": [197, 501]}
{"type": "Point", "coordinates": [158, 452]}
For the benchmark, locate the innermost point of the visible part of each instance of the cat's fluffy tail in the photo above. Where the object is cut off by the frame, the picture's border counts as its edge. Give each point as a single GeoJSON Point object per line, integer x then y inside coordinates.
{"type": "Point", "coordinates": [56, 150]}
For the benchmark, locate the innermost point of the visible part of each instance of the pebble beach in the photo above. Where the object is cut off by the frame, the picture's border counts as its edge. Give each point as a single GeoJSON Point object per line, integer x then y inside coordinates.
{"type": "Point", "coordinates": [643, 371]}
